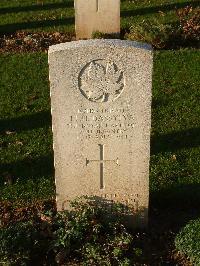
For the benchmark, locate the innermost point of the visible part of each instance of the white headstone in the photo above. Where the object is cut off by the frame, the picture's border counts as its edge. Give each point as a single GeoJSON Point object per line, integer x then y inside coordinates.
{"type": "Point", "coordinates": [96, 15]}
{"type": "Point", "coordinates": [101, 111]}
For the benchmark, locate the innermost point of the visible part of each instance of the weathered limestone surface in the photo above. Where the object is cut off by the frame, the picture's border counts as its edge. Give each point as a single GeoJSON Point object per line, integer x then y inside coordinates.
{"type": "Point", "coordinates": [96, 15]}
{"type": "Point", "coordinates": [101, 111]}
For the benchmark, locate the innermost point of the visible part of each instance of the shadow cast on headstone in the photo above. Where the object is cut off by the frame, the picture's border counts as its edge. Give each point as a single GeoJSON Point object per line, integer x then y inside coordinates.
{"type": "Point", "coordinates": [28, 168]}
{"type": "Point", "coordinates": [156, 9]}
{"type": "Point", "coordinates": [10, 28]}
{"type": "Point", "coordinates": [27, 122]}
{"type": "Point", "coordinates": [185, 139]}
{"type": "Point", "coordinates": [36, 7]}
{"type": "Point", "coordinates": [133, 217]}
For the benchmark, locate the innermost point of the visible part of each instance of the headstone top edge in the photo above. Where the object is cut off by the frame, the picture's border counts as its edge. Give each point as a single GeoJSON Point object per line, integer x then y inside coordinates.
{"type": "Point", "coordinates": [99, 43]}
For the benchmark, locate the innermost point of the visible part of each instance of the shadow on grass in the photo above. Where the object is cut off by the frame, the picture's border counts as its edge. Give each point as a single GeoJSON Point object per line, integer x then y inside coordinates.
{"type": "Point", "coordinates": [175, 206]}
{"type": "Point", "coordinates": [10, 28]}
{"type": "Point", "coordinates": [178, 197]}
{"type": "Point", "coordinates": [36, 7]}
{"type": "Point", "coordinates": [175, 141]}
{"type": "Point", "coordinates": [155, 9]}
{"type": "Point", "coordinates": [28, 122]}
{"type": "Point", "coordinates": [29, 168]}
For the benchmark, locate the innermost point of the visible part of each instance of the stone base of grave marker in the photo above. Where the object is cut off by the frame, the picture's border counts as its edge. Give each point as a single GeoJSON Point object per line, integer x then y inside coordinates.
{"type": "Point", "coordinates": [101, 114]}
{"type": "Point", "coordinates": [96, 15]}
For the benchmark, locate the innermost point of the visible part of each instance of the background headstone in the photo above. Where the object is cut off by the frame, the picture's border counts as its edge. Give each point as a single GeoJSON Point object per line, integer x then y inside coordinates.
{"type": "Point", "coordinates": [101, 111]}
{"type": "Point", "coordinates": [96, 15]}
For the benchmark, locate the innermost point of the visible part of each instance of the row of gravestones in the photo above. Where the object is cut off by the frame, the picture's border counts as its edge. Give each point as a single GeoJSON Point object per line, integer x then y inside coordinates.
{"type": "Point", "coordinates": [101, 114]}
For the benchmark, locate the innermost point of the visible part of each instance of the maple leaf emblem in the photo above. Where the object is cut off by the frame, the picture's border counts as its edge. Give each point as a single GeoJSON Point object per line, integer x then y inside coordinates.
{"type": "Point", "coordinates": [101, 81]}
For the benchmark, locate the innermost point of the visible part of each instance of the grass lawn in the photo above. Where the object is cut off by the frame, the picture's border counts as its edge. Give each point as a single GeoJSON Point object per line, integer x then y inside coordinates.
{"type": "Point", "coordinates": [58, 15]}
{"type": "Point", "coordinates": [26, 152]}
{"type": "Point", "coordinates": [175, 146]}
{"type": "Point", "coordinates": [26, 139]}
{"type": "Point", "coordinates": [26, 170]}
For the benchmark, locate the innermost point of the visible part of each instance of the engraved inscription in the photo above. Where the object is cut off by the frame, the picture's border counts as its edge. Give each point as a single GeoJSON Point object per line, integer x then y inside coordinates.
{"type": "Point", "coordinates": [101, 81]}
{"type": "Point", "coordinates": [101, 162]}
{"type": "Point", "coordinates": [102, 123]}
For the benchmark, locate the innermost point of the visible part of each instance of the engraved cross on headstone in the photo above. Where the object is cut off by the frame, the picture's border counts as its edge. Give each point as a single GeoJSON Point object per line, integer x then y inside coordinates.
{"type": "Point", "coordinates": [102, 161]}
{"type": "Point", "coordinates": [97, 5]}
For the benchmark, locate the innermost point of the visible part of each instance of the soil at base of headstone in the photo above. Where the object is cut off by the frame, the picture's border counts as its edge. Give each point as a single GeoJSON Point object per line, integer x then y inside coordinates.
{"type": "Point", "coordinates": [24, 42]}
{"type": "Point", "coordinates": [157, 243]}
{"type": "Point", "coordinates": [21, 41]}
